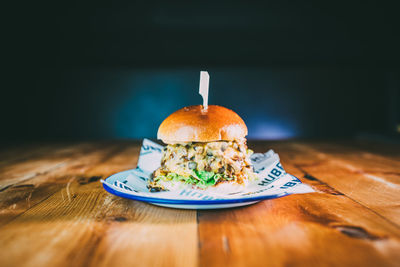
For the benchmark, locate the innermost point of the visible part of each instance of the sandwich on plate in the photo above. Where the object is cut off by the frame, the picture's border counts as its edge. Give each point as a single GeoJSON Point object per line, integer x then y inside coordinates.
{"type": "Point", "coordinates": [206, 149]}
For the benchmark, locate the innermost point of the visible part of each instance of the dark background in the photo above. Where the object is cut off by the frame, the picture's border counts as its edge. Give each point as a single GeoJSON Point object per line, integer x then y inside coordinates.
{"type": "Point", "coordinates": [309, 69]}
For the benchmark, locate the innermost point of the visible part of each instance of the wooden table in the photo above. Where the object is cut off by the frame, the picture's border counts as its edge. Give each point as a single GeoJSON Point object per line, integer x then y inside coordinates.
{"type": "Point", "coordinates": [54, 212]}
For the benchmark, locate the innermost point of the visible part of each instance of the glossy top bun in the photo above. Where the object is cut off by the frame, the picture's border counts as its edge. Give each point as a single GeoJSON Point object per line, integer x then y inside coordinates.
{"type": "Point", "coordinates": [193, 124]}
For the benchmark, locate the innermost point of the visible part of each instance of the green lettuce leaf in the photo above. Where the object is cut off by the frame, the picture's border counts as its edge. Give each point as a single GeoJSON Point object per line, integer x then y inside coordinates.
{"type": "Point", "coordinates": [202, 179]}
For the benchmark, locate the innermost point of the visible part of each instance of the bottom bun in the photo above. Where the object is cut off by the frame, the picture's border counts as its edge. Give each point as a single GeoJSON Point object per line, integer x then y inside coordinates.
{"type": "Point", "coordinates": [221, 188]}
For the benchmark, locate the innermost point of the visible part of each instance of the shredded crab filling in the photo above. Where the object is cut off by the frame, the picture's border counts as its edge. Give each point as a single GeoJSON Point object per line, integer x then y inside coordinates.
{"type": "Point", "coordinates": [204, 164]}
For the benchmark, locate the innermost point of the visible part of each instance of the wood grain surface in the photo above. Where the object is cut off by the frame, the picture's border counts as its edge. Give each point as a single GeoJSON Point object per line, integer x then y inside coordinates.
{"type": "Point", "coordinates": [54, 212]}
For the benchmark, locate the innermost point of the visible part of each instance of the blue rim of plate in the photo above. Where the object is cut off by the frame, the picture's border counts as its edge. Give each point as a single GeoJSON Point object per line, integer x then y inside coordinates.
{"type": "Point", "coordinates": [188, 201]}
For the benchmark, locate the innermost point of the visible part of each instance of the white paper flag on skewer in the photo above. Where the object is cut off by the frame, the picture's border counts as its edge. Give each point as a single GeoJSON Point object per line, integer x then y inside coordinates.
{"type": "Point", "coordinates": [203, 88]}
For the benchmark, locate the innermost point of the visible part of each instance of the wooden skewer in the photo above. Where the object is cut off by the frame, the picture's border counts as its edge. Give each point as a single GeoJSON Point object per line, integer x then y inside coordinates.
{"type": "Point", "coordinates": [203, 87]}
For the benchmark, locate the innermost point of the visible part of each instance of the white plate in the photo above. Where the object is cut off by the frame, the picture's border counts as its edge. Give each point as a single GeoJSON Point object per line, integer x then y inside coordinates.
{"type": "Point", "coordinates": [273, 182]}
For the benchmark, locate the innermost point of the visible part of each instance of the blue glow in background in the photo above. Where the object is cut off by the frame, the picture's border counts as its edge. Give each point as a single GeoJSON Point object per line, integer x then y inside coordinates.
{"type": "Point", "coordinates": [101, 103]}
{"type": "Point", "coordinates": [87, 71]}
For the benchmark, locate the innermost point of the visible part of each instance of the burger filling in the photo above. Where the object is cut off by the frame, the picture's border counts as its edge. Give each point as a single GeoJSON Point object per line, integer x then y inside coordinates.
{"type": "Point", "coordinates": [204, 164]}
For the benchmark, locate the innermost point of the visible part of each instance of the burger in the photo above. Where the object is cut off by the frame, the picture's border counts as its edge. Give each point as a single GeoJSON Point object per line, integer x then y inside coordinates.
{"type": "Point", "coordinates": [206, 148]}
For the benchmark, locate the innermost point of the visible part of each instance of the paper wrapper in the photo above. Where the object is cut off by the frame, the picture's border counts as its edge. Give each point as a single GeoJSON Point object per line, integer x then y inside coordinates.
{"type": "Point", "coordinates": [273, 179]}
